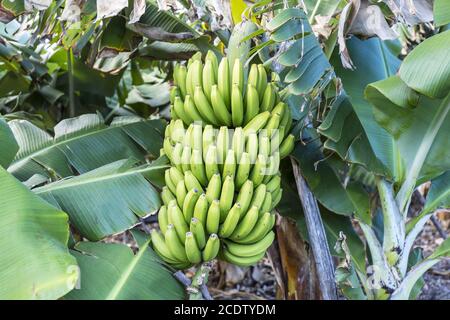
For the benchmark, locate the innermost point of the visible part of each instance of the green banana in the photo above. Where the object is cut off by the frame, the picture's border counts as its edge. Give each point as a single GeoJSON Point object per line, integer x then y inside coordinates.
{"type": "Point", "coordinates": [258, 196]}
{"type": "Point", "coordinates": [177, 132]}
{"type": "Point", "coordinates": [257, 123]}
{"type": "Point", "coordinates": [191, 109]}
{"type": "Point", "coordinates": [286, 120]}
{"type": "Point", "coordinates": [224, 82]}
{"type": "Point", "coordinates": [169, 183]}
{"type": "Point", "coordinates": [189, 87]}
{"type": "Point", "coordinates": [178, 105]}
{"type": "Point", "coordinates": [181, 193]}
{"type": "Point", "coordinates": [247, 224]}
{"type": "Point", "coordinates": [212, 248]}
{"type": "Point", "coordinates": [229, 167]}
{"type": "Point", "coordinates": [238, 75]}
{"type": "Point", "coordinates": [264, 145]}
{"type": "Point", "coordinates": [203, 106]}
{"type": "Point", "coordinates": [253, 75]}
{"type": "Point", "coordinates": [268, 98]}
{"type": "Point", "coordinates": [211, 167]}
{"type": "Point", "coordinates": [181, 80]}
{"type": "Point", "coordinates": [174, 244]}
{"type": "Point", "coordinates": [251, 146]}
{"type": "Point", "coordinates": [273, 123]}
{"type": "Point", "coordinates": [163, 219]}
{"type": "Point", "coordinates": [173, 115]}
{"type": "Point", "coordinates": [198, 168]}
{"type": "Point", "coordinates": [208, 138]}
{"type": "Point", "coordinates": [262, 227]}
{"type": "Point", "coordinates": [201, 209]}
{"type": "Point", "coordinates": [251, 104]}
{"type": "Point", "coordinates": [237, 106]}
{"type": "Point", "coordinates": [208, 78]}
{"type": "Point", "coordinates": [223, 141]}
{"type": "Point", "coordinates": [191, 181]}
{"type": "Point", "coordinates": [226, 197]}
{"type": "Point", "coordinates": [176, 155]}
{"type": "Point", "coordinates": [214, 188]}
{"type": "Point", "coordinates": [174, 92]}
{"type": "Point", "coordinates": [176, 218]}
{"type": "Point", "coordinates": [287, 146]}
{"type": "Point", "coordinates": [211, 56]}
{"type": "Point", "coordinates": [259, 170]}
{"type": "Point", "coordinates": [245, 196]}
{"type": "Point", "coordinates": [276, 198]}
{"type": "Point", "coordinates": [213, 217]}
{"type": "Point", "coordinates": [280, 108]}
{"type": "Point", "coordinates": [272, 168]}
{"type": "Point", "coordinates": [276, 140]}
{"type": "Point", "coordinates": [186, 159]}
{"type": "Point", "coordinates": [189, 204]}
{"type": "Point", "coordinates": [197, 74]}
{"type": "Point", "coordinates": [176, 175]}
{"type": "Point", "coordinates": [231, 221]}
{"type": "Point", "coordinates": [196, 137]}
{"type": "Point", "coordinates": [193, 253]}
{"type": "Point", "coordinates": [160, 246]}
{"type": "Point", "coordinates": [267, 204]}
{"type": "Point", "coordinates": [167, 195]}
{"type": "Point", "coordinates": [243, 170]}
{"type": "Point", "coordinates": [238, 143]}
{"type": "Point", "coordinates": [168, 148]}
{"type": "Point", "coordinates": [262, 81]}
{"type": "Point", "coordinates": [248, 250]}
{"type": "Point", "coordinates": [219, 107]}
{"type": "Point", "coordinates": [196, 227]}
{"type": "Point", "coordinates": [241, 261]}
{"type": "Point", "coordinates": [274, 184]}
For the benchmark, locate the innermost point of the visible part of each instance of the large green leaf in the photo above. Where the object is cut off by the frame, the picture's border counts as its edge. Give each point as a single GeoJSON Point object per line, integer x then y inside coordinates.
{"type": "Point", "coordinates": [35, 262]}
{"type": "Point", "coordinates": [429, 76]}
{"type": "Point", "coordinates": [109, 199]}
{"type": "Point", "coordinates": [113, 272]}
{"type": "Point", "coordinates": [441, 9]}
{"type": "Point", "coordinates": [439, 193]}
{"type": "Point", "coordinates": [8, 144]}
{"type": "Point", "coordinates": [82, 144]}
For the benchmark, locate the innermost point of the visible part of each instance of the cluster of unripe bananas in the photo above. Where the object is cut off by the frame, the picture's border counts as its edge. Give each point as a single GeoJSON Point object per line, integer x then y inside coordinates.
{"type": "Point", "coordinates": [224, 181]}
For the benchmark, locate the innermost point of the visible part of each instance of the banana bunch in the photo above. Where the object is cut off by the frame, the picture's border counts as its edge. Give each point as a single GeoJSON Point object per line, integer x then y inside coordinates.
{"type": "Point", "coordinates": [215, 93]}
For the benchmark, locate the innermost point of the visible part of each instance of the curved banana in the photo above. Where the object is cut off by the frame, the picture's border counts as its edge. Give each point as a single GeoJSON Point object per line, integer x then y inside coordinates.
{"type": "Point", "coordinates": [197, 137]}
{"type": "Point", "coordinates": [186, 159]}
{"type": "Point", "coordinates": [262, 81]}
{"type": "Point", "coordinates": [181, 193]}
{"type": "Point", "coordinates": [238, 75]}
{"type": "Point", "coordinates": [248, 250]}
{"type": "Point", "coordinates": [208, 138]}
{"type": "Point", "coordinates": [181, 79]}
{"type": "Point", "coordinates": [286, 120]}
{"type": "Point", "coordinates": [268, 98]}
{"type": "Point", "coordinates": [258, 196]}
{"type": "Point", "coordinates": [178, 105]}
{"type": "Point", "coordinates": [259, 170]}
{"type": "Point", "coordinates": [264, 145]}
{"type": "Point", "coordinates": [213, 217]}
{"type": "Point", "coordinates": [224, 82]}
{"type": "Point", "coordinates": [273, 123]}
{"type": "Point", "coordinates": [212, 248]}
{"type": "Point", "coordinates": [214, 188]}
{"type": "Point", "coordinates": [229, 167]}
{"type": "Point", "coordinates": [287, 146]}
{"type": "Point", "coordinates": [191, 181]}
{"type": "Point", "coordinates": [223, 142]}
{"type": "Point", "coordinates": [274, 184]}
{"type": "Point", "coordinates": [189, 204]}
{"type": "Point", "coordinates": [176, 175]}
{"type": "Point", "coordinates": [196, 227]}
{"type": "Point", "coordinates": [201, 209]}
{"type": "Point", "coordinates": [276, 198]}
{"type": "Point", "coordinates": [198, 168]}
{"type": "Point", "coordinates": [251, 146]}
{"type": "Point", "coordinates": [163, 219]}
{"type": "Point", "coordinates": [267, 204]}
{"type": "Point", "coordinates": [174, 244]}
{"type": "Point", "coordinates": [257, 123]}
{"type": "Point", "coordinates": [176, 218]}
{"type": "Point", "coordinates": [231, 221]}
{"type": "Point", "coordinates": [246, 225]}
{"type": "Point", "coordinates": [211, 167]}
{"type": "Point", "coordinates": [209, 78]}
{"type": "Point", "coordinates": [219, 107]}
{"type": "Point", "coordinates": [211, 56]}
{"type": "Point", "coordinates": [245, 196]}
{"type": "Point", "coordinates": [193, 252]}
{"type": "Point", "coordinates": [197, 74]}
{"type": "Point", "coordinates": [167, 195]}
{"type": "Point", "coordinates": [159, 245]}
{"type": "Point", "coordinates": [191, 109]}
{"type": "Point", "coordinates": [251, 103]}
{"type": "Point", "coordinates": [174, 92]}
{"type": "Point", "coordinates": [262, 228]}
{"type": "Point", "coordinates": [241, 261]}
{"type": "Point", "coordinates": [168, 148]}
{"type": "Point", "coordinates": [169, 183]}
{"type": "Point", "coordinates": [176, 155]}
{"type": "Point", "coordinates": [203, 106]}
{"type": "Point", "coordinates": [243, 170]}
{"type": "Point", "coordinates": [226, 197]}
{"type": "Point", "coordinates": [237, 106]}
{"type": "Point", "coordinates": [238, 143]}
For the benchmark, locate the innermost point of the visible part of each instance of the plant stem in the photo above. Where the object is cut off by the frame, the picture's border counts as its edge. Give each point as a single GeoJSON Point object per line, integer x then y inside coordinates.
{"type": "Point", "coordinates": [317, 237]}
{"type": "Point", "coordinates": [71, 83]}
{"type": "Point", "coordinates": [198, 289]}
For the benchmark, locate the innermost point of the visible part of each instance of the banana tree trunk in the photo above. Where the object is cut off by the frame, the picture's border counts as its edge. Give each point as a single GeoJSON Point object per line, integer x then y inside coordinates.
{"type": "Point", "coordinates": [317, 237]}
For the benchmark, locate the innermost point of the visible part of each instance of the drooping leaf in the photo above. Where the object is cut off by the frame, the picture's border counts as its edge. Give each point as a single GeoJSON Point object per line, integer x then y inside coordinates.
{"type": "Point", "coordinates": [35, 262]}
{"type": "Point", "coordinates": [106, 8]}
{"type": "Point", "coordinates": [82, 144]}
{"type": "Point", "coordinates": [114, 272]}
{"type": "Point", "coordinates": [430, 77]}
{"type": "Point", "coordinates": [8, 144]}
{"type": "Point", "coordinates": [107, 200]}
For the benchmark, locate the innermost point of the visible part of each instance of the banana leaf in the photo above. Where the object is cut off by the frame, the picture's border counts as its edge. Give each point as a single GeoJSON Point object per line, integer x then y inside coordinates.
{"type": "Point", "coordinates": [8, 143]}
